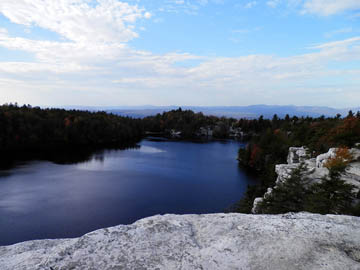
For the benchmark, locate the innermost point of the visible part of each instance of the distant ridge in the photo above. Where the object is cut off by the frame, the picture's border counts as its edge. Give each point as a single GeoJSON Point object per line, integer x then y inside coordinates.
{"type": "Point", "coordinates": [252, 111]}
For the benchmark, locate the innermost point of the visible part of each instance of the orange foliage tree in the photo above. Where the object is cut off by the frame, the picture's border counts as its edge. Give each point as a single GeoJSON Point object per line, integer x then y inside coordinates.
{"type": "Point", "coordinates": [340, 161]}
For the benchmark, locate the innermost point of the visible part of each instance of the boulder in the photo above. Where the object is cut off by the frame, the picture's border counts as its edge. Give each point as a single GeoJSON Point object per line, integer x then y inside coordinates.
{"type": "Point", "coordinates": [256, 204]}
{"type": "Point", "coordinates": [215, 241]}
{"type": "Point", "coordinates": [296, 155]}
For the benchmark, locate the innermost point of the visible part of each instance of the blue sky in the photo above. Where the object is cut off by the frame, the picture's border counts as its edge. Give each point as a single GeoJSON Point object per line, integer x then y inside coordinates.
{"type": "Point", "coordinates": [180, 52]}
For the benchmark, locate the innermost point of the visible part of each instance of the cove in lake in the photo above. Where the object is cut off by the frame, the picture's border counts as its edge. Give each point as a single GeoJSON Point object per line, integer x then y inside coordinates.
{"type": "Point", "coordinates": [42, 199]}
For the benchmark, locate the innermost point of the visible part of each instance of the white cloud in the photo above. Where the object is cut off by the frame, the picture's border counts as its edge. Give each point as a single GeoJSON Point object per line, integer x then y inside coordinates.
{"type": "Point", "coordinates": [318, 7]}
{"type": "Point", "coordinates": [26, 67]}
{"type": "Point", "coordinates": [273, 3]}
{"type": "Point", "coordinates": [52, 51]}
{"type": "Point", "coordinates": [338, 31]}
{"type": "Point", "coordinates": [77, 20]}
{"type": "Point", "coordinates": [251, 4]}
{"type": "Point", "coordinates": [95, 65]}
{"type": "Point", "coordinates": [190, 7]}
{"type": "Point", "coordinates": [330, 7]}
{"type": "Point", "coordinates": [337, 44]}
{"type": "Point", "coordinates": [95, 33]}
{"type": "Point", "coordinates": [253, 77]}
{"type": "Point", "coordinates": [3, 31]}
{"type": "Point", "coordinates": [147, 15]}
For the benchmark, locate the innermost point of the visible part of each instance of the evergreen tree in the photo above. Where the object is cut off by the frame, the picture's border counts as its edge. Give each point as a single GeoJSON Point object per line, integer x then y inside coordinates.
{"type": "Point", "coordinates": [287, 196]}
{"type": "Point", "coordinates": [350, 114]}
{"type": "Point", "coordinates": [333, 195]}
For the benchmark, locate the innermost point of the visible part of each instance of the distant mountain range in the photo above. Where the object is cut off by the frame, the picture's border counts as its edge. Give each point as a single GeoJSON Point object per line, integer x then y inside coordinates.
{"type": "Point", "coordinates": [253, 111]}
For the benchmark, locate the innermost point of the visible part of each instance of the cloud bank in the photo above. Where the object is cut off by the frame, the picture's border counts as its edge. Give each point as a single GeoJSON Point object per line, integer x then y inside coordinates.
{"type": "Point", "coordinates": [91, 62]}
{"type": "Point", "coordinates": [330, 7]}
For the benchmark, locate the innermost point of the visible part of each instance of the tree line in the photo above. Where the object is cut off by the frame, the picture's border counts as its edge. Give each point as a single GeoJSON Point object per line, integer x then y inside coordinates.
{"type": "Point", "coordinates": [188, 123]}
{"type": "Point", "coordinates": [32, 128]}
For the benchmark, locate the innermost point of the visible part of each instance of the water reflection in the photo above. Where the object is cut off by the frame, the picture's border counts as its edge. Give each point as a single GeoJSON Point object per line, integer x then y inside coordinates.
{"type": "Point", "coordinates": [68, 197]}
{"type": "Point", "coordinates": [115, 160]}
{"type": "Point", "coordinates": [62, 156]}
{"type": "Point", "coordinates": [150, 150]}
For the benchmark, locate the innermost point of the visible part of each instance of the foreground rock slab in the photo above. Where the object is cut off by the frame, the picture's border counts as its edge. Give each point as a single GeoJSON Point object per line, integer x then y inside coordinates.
{"type": "Point", "coordinates": [217, 241]}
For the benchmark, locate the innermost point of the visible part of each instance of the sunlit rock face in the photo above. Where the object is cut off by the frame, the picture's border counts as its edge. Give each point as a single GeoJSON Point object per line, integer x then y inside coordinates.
{"type": "Point", "coordinates": [315, 167]}
{"type": "Point", "coordinates": [217, 241]}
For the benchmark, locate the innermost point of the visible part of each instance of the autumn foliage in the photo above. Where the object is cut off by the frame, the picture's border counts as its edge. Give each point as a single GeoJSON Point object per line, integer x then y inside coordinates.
{"type": "Point", "coordinates": [271, 139]}
{"type": "Point", "coordinates": [346, 132]}
{"type": "Point", "coordinates": [341, 159]}
{"type": "Point", "coordinates": [255, 155]}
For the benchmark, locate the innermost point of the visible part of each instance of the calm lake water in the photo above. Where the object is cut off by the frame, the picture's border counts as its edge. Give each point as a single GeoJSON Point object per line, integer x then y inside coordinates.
{"type": "Point", "coordinates": [41, 199]}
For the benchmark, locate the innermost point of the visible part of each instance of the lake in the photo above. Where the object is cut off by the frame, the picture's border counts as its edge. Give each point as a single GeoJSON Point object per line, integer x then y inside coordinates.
{"type": "Point", "coordinates": [43, 199]}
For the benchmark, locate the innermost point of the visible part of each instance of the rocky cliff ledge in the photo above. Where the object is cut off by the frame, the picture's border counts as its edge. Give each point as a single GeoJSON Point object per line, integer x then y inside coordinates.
{"type": "Point", "coordinates": [315, 167]}
{"type": "Point", "coordinates": [217, 241]}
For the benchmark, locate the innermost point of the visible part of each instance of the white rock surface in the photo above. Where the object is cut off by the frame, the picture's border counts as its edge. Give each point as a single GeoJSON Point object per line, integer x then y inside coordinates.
{"type": "Point", "coordinates": [351, 175]}
{"type": "Point", "coordinates": [256, 204]}
{"type": "Point", "coordinates": [284, 171]}
{"type": "Point", "coordinates": [315, 167]}
{"type": "Point", "coordinates": [218, 241]}
{"type": "Point", "coordinates": [259, 200]}
{"type": "Point", "coordinates": [355, 153]}
{"type": "Point", "coordinates": [296, 155]}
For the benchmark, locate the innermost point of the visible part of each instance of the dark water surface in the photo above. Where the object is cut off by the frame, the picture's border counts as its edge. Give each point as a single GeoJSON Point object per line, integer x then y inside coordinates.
{"type": "Point", "coordinates": [41, 199]}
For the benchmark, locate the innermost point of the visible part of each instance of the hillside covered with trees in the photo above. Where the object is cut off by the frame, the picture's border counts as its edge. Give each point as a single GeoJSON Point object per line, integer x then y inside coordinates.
{"type": "Point", "coordinates": [272, 138]}
{"type": "Point", "coordinates": [188, 124]}
{"type": "Point", "coordinates": [33, 128]}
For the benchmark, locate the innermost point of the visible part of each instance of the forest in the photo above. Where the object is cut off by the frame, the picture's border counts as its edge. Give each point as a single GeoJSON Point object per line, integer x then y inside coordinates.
{"type": "Point", "coordinates": [26, 128]}
{"type": "Point", "coordinates": [188, 124]}
{"type": "Point", "coordinates": [34, 128]}
{"type": "Point", "coordinates": [269, 146]}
